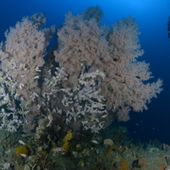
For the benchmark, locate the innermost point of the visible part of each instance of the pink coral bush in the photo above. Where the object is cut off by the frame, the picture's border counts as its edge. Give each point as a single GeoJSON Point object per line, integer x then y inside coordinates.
{"type": "Point", "coordinates": [80, 42]}
{"type": "Point", "coordinates": [127, 85]}
{"type": "Point", "coordinates": [22, 55]}
{"type": "Point", "coordinates": [80, 97]}
{"type": "Point", "coordinates": [131, 84]}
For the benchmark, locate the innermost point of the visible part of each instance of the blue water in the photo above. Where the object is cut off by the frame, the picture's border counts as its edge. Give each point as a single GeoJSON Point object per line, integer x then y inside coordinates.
{"type": "Point", "coordinates": [152, 18]}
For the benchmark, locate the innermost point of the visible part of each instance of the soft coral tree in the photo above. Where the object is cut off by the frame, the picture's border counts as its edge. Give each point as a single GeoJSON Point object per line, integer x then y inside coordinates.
{"type": "Point", "coordinates": [22, 56]}
{"type": "Point", "coordinates": [82, 43]}
{"type": "Point", "coordinates": [131, 85]}
{"type": "Point", "coordinates": [127, 85]}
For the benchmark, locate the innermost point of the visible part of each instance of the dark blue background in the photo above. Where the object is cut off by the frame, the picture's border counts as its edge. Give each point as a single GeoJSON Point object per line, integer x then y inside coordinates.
{"type": "Point", "coordinates": [152, 18]}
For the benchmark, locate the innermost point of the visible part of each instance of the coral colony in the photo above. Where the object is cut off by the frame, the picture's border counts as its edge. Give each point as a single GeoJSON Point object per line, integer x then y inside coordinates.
{"type": "Point", "coordinates": [55, 105]}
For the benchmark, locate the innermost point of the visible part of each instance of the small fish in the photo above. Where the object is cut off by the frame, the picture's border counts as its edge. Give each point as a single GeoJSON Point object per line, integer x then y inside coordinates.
{"type": "Point", "coordinates": [50, 118]}
{"type": "Point", "coordinates": [23, 155]}
{"type": "Point", "coordinates": [36, 77]}
{"type": "Point", "coordinates": [58, 149]}
{"type": "Point", "coordinates": [104, 116]}
{"type": "Point", "coordinates": [21, 142]}
{"type": "Point", "coordinates": [21, 86]}
{"type": "Point", "coordinates": [169, 27]}
{"type": "Point", "coordinates": [37, 69]}
{"type": "Point", "coordinates": [95, 141]}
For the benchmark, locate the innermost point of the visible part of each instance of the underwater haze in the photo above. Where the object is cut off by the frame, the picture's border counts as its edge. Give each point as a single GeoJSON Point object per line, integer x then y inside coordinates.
{"type": "Point", "coordinates": [151, 45]}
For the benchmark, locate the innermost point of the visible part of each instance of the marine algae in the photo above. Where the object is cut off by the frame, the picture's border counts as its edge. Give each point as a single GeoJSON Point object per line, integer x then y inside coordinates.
{"type": "Point", "coordinates": [66, 142]}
